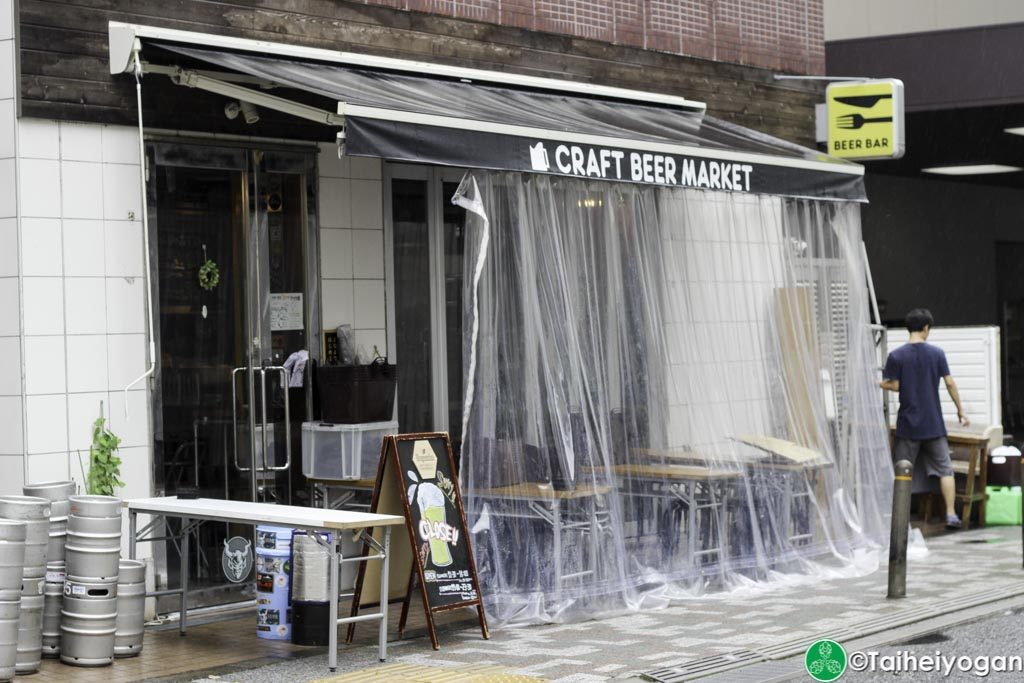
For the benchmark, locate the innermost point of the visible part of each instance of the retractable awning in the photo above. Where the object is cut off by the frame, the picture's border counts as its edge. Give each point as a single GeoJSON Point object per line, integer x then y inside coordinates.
{"type": "Point", "coordinates": [416, 112]}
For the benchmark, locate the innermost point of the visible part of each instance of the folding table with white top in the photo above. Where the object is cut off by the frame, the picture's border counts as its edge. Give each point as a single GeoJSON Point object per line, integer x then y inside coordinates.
{"type": "Point", "coordinates": [316, 521]}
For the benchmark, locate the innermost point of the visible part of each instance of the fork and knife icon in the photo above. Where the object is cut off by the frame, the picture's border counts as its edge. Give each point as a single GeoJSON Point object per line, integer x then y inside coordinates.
{"type": "Point", "coordinates": [855, 121]}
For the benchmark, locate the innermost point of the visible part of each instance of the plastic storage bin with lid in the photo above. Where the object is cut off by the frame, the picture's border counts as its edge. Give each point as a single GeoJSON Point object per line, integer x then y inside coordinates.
{"type": "Point", "coordinates": [343, 451]}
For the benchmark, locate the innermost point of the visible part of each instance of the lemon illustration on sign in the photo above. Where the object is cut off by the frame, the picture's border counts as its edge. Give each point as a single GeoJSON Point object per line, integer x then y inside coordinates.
{"type": "Point", "coordinates": [825, 660]}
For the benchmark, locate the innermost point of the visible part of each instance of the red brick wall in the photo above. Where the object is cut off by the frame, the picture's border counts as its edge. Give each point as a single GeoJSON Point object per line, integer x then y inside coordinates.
{"type": "Point", "coordinates": [784, 35]}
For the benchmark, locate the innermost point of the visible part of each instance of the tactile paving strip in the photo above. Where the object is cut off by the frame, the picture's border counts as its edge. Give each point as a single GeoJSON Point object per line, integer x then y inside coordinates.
{"type": "Point", "coordinates": [718, 664]}
{"type": "Point", "coordinates": [418, 673]}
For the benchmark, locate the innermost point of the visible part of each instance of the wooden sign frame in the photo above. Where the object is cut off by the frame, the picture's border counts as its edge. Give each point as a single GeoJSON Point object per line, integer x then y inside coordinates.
{"type": "Point", "coordinates": [390, 495]}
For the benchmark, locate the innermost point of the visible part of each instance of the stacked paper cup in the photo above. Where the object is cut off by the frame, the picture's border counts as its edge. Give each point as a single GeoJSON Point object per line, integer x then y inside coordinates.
{"type": "Point", "coordinates": [89, 607]}
{"type": "Point", "coordinates": [12, 561]}
{"type": "Point", "coordinates": [57, 492]}
{"type": "Point", "coordinates": [35, 513]}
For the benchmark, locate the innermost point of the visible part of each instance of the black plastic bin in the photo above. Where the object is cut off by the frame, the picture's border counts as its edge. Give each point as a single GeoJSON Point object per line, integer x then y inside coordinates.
{"type": "Point", "coordinates": [310, 622]}
{"type": "Point", "coordinates": [351, 394]}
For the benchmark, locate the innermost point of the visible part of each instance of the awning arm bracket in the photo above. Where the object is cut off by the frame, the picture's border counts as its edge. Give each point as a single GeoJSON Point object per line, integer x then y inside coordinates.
{"type": "Point", "coordinates": [194, 79]}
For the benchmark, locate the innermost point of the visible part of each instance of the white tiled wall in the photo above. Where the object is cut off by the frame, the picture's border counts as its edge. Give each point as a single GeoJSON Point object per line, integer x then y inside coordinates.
{"type": "Point", "coordinates": [352, 247]}
{"type": "Point", "coordinates": [728, 262]}
{"type": "Point", "coordinates": [72, 295]}
{"type": "Point", "coordinates": [82, 302]}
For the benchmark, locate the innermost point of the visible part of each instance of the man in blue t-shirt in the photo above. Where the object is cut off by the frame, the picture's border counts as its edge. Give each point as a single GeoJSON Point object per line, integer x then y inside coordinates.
{"type": "Point", "coordinates": [914, 371]}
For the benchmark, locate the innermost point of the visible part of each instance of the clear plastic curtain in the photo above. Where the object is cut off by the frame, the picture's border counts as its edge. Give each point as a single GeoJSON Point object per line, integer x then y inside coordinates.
{"type": "Point", "coordinates": [673, 393]}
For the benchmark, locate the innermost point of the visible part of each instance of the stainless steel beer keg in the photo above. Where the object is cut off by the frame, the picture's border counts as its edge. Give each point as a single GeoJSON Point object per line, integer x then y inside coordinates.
{"type": "Point", "coordinates": [57, 492]}
{"type": "Point", "coordinates": [35, 513]}
{"type": "Point", "coordinates": [93, 538]}
{"type": "Point", "coordinates": [9, 612]}
{"type": "Point", "coordinates": [88, 620]}
{"type": "Point", "coordinates": [53, 594]}
{"type": "Point", "coordinates": [12, 559]}
{"type": "Point", "coordinates": [131, 608]}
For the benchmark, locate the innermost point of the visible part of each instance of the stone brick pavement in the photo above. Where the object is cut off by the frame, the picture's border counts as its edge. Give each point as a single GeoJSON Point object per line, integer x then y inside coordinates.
{"type": "Point", "coordinates": [959, 568]}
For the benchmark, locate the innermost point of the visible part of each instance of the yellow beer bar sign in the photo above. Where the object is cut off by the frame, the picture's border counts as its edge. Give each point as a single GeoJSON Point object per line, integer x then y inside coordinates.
{"type": "Point", "coordinates": [865, 119]}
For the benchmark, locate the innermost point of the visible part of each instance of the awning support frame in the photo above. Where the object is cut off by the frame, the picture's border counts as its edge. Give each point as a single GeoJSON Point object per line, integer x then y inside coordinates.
{"type": "Point", "coordinates": [122, 37]}
{"type": "Point", "coordinates": [194, 79]}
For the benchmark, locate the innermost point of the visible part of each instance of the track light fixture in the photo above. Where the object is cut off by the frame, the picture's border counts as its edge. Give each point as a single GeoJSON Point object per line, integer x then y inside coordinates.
{"type": "Point", "coordinates": [248, 110]}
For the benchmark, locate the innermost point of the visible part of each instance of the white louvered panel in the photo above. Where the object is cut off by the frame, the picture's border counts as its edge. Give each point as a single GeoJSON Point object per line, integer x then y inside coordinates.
{"type": "Point", "coordinates": [973, 357]}
{"type": "Point", "coordinates": [833, 319]}
{"type": "Point", "coordinates": [839, 319]}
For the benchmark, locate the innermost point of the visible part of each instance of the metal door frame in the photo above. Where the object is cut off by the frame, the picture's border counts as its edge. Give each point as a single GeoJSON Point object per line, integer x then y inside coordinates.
{"type": "Point", "coordinates": [311, 251]}
{"type": "Point", "coordinates": [434, 177]}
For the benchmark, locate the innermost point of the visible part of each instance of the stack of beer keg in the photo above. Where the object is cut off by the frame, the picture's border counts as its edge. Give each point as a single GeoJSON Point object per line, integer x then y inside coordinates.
{"type": "Point", "coordinates": [64, 589]}
{"type": "Point", "coordinates": [12, 560]}
{"type": "Point", "coordinates": [58, 493]}
{"type": "Point", "coordinates": [92, 555]}
{"type": "Point", "coordinates": [35, 513]}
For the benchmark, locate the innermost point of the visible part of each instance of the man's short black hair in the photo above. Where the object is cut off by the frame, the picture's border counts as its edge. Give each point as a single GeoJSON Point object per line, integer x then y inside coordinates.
{"type": "Point", "coordinates": [918, 319]}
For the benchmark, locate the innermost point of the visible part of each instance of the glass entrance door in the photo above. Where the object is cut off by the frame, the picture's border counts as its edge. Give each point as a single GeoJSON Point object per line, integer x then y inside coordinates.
{"type": "Point", "coordinates": [427, 237]}
{"type": "Point", "coordinates": [235, 254]}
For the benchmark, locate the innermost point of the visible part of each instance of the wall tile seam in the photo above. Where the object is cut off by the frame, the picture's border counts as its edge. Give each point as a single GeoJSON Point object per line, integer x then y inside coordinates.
{"type": "Point", "coordinates": [16, 146]}
{"type": "Point", "coordinates": [64, 307]}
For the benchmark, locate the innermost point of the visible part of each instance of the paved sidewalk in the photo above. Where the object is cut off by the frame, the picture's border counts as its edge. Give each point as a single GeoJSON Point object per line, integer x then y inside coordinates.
{"type": "Point", "coordinates": [771, 621]}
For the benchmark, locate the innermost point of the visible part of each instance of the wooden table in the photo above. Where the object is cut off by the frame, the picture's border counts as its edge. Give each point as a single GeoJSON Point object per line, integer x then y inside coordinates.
{"type": "Point", "coordinates": [539, 491]}
{"type": "Point", "coordinates": [974, 469]}
{"type": "Point", "coordinates": [697, 487]}
{"type": "Point", "coordinates": [351, 489]}
{"type": "Point", "coordinates": [775, 455]}
{"type": "Point", "coordinates": [791, 458]}
{"type": "Point", "coordinates": [698, 472]}
{"type": "Point", "coordinates": [543, 502]}
{"type": "Point", "coordinates": [788, 451]}
{"type": "Point", "coordinates": [317, 522]}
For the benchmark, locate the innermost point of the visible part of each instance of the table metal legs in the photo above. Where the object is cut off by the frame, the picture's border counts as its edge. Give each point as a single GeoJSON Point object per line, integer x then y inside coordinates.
{"type": "Point", "coordinates": [183, 549]}
{"type": "Point", "coordinates": [382, 645]}
{"type": "Point", "coordinates": [332, 637]}
{"type": "Point", "coordinates": [184, 576]}
{"type": "Point", "coordinates": [383, 554]}
{"type": "Point", "coordinates": [556, 542]}
{"type": "Point", "coordinates": [132, 523]}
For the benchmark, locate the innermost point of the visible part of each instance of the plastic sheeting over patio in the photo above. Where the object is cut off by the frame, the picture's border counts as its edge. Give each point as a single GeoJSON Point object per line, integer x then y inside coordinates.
{"type": "Point", "coordinates": [671, 392]}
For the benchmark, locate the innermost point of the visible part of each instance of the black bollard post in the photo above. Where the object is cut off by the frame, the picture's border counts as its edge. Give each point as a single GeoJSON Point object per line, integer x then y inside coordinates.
{"type": "Point", "coordinates": [898, 533]}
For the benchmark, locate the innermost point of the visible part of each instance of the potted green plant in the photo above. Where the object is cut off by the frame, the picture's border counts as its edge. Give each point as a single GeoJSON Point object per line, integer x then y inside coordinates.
{"type": "Point", "coordinates": [104, 465]}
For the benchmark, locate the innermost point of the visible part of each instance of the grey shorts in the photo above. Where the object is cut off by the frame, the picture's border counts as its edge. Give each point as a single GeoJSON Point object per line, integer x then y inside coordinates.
{"type": "Point", "coordinates": [934, 451]}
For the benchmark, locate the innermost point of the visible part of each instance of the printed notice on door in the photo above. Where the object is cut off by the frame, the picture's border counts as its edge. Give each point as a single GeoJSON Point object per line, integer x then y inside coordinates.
{"type": "Point", "coordinates": [286, 312]}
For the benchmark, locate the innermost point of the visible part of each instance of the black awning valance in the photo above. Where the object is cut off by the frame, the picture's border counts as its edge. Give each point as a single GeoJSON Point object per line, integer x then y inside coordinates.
{"type": "Point", "coordinates": [457, 122]}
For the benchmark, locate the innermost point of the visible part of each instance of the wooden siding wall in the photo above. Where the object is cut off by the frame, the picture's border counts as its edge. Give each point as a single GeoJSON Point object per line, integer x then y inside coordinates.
{"type": "Point", "coordinates": [65, 72]}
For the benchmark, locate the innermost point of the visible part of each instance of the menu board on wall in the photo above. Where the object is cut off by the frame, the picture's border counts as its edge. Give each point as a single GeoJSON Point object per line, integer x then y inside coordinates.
{"type": "Point", "coordinates": [416, 478]}
{"type": "Point", "coordinates": [286, 311]}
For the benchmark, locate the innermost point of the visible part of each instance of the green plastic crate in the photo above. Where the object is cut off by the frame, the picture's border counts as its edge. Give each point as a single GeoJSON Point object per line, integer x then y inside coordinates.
{"type": "Point", "coordinates": [1003, 506]}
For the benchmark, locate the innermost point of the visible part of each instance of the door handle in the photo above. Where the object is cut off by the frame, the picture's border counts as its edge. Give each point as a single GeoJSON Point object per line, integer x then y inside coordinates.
{"type": "Point", "coordinates": [287, 417]}
{"type": "Point", "coordinates": [235, 419]}
{"type": "Point", "coordinates": [263, 418]}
